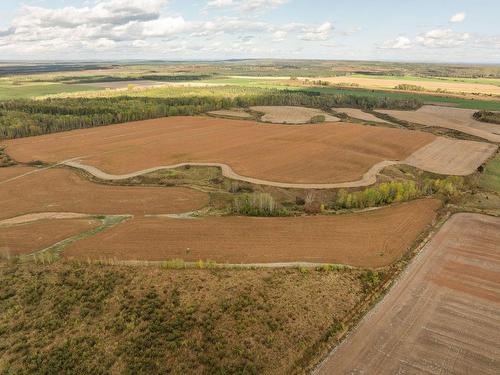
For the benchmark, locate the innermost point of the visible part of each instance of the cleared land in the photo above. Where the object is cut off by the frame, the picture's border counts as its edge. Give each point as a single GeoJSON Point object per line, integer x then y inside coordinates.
{"type": "Point", "coordinates": [235, 112]}
{"type": "Point", "coordinates": [323, 153]}
{"type": "Point", "coordinates": [387, 234]}
{"type": "Point", "coordinates": [455, 87]}
{"type": "Point", "coordinates": [359, 114]}
{"type": "Point", "coordinates": [451, 156]}
{"type": "Point", "coordinates": [450, 118]}
{"type": "Point", "coordinates": [291, 114]}
{"type": "Point", "coordinates": [28, 238]}
{"type": "Point", "coordinates": [442, 317]}
{"type": "Point", "coordinates": [62, 190]}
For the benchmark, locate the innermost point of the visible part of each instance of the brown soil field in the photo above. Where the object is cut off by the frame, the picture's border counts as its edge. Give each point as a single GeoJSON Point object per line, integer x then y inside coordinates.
{"type": "Point", "coordinates": [322, 153]}
{"type": "Point", "coordinates": [291, 114]}
{"type": "Point", "coordinates": [442, 317]}
{"type": "Point", "coordinates": [28, 238]}
{"type": "Point", "coordinates": [450, 118]}
{"type": "Point", "coordinates": [62, 190]}
{"type": "Point", "coordinates": [386, 235]}
{"type": "Point", "coordinates": [234, 112]}
{"type": "Point", "coordinates": [451, 156]}
{"type": "Point", "coordinates": [359, 114]}
{"type": "Point", "coordinates": [456, 87]}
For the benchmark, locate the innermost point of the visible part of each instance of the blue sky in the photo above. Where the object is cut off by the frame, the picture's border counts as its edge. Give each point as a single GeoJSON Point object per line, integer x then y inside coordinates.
{"type": "Point", "coordinates": [423, 30]}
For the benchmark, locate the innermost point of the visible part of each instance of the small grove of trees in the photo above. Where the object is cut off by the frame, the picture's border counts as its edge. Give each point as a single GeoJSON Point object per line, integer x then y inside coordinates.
{"type": "Point", "coordinates": [257, 204]}
{"type": "Point", "coordinates": [24, 118]}
{"type": "Point", "coordinates": [396, 191]}
{"type": "Point", "coordinates": [407, 87]}
{"type": "Point", "coordinates": [487, 116]}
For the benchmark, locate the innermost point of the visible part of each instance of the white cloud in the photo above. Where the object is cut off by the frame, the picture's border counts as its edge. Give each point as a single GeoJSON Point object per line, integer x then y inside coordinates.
{"type": "Point", "coordinates": [245, 5]}
{"type": "Point", "coordinates": [219, 3]}
{"type": "Point", "coordinates": [442, 38]}
{"type": "Point", "coordinates": [165, 26]}
{"type": "Point", "coordinates": [401, 42]}
{"type": "Point", "coordinates": [322, 32]}
{"type": "Point", "coordinates": [459, 17]}
{"type": "Point", "coordinates": [279, 36]}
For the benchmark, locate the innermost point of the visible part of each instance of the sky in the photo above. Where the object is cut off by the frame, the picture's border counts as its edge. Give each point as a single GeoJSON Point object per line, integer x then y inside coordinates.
{"type": "Point", "coordinates": [460, 31]}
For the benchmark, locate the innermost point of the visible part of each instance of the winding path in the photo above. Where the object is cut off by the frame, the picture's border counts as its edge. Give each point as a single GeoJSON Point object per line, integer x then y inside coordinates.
{"type": "Point", "coordinates": [369, 178]}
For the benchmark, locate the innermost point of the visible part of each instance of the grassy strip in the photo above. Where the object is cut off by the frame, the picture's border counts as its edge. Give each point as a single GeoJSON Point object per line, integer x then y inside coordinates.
{"type": "Point", "coordinates": [52, 253]}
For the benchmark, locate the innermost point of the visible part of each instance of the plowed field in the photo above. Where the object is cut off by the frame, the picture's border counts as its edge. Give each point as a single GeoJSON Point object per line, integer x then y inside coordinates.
{"type": "Point", "coordinates": [443, 316]}
{"type": "Point", "coordinates": [62, 190]}
{"type": "Point", "coordinates": [386, 234]}
{"type": "Point", "coordinates": [323, 153]}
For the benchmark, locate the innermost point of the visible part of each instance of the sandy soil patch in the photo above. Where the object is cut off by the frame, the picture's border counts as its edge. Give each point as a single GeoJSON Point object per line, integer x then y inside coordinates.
{"type": "Point", "coordinates": [442, 317]}
{"type": "Point", "coordinates": [323, 153]}
{"type": "Point", "coordinates": [359, 114]}
{"type": "Point", "coordinates": [451, 156]}
{"type": "Point", "coordinates": [234, 112]}
{"type": "Point", "coordinates": [291, 114]}
{"type": "Point", "coordinates": [27, 238]}
{"type": "Point", "coordinates": [456, 87]}
{"type": "Point", "coordinates": [450, 118]}
{"type": "Point", "coordinates": [387, 233]}
{"type": "Point", "coordinates": [62, 190]}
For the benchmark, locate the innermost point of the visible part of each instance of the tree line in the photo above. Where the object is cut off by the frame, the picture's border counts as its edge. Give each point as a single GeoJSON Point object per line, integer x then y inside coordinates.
{"type": "Point", "coordinates": [24, 118]}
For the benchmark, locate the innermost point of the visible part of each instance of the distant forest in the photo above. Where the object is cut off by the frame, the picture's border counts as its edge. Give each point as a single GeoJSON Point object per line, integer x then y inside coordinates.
{"type": "Point", "coordinates": [24, 118]}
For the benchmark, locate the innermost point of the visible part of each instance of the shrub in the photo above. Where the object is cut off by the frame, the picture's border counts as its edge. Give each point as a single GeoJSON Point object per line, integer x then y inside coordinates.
{"type": "Point", "coordinates": [487, 116]}
{"type": "Point", "coordinates": [317, 119]}
{"type": "Point", "coordinates": [407, 87]}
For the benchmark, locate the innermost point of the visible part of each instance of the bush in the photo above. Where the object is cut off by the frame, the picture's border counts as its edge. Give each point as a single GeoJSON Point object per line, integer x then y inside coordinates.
{"type": "Point", "coordinates": [317, 119]}
{"type": "Point", "coordinates": [487, 116]}
{"type": "Point", "coordinates": [407, 87]}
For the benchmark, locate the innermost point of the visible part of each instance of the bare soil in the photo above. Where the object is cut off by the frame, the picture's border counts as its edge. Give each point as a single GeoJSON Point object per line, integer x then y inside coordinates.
{"type": "Point", "coordinates": [28, 238]}
{"type": "Point", "coordinates": [456, 87]}
{"type": "Point", "coordinates": [451, 156]}
{"type": "Point", "coordinates": [443, 315]}
{"type": "Point", "coordinates": [291, 114]}
{"type": "Point", "coordinates": [359, 114]}
{"type": "Point", "coordinates": [450, 118]}
{"type": "Point", "coordinates": [386, 235]}
{"type": "Point", "coordinates": [323, 153]}
{"type": "Point", "coordinates": [234, 112]}
{"type": "Point", "coordinates": [62, 190]}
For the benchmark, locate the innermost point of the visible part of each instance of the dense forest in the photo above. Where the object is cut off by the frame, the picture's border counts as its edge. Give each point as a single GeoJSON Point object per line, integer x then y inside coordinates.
{"type": "Point", "coordinates": [24, 118]}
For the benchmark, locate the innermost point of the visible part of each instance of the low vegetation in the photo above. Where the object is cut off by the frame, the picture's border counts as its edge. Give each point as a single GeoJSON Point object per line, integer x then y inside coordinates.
{"type": "Point", "coordinates": [487, 116]}
{"type": "Point", "coordinates": [69, 318]}
{"type": "Point", "coordinates": [5, 160]}
{"type": "Point", "coordinates": [490, 178]}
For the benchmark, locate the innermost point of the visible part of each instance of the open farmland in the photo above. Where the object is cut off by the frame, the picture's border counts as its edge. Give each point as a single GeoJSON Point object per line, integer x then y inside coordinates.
{"type": "Point", "coordinates": [291, 114]}
{"type": "Point", "coordinates": [63, 190]}
{"type": "Point", "coordinates": [442, 317]}
{"type": "Point", "coordinates": [451, 156]}
{"type": "Point", "coordinates": [323, 153]}
{"type": "Point", "coordinates": [29, 237]}
{"type": "Point", "coordinates": [387, 234]}
{"type": "Point", "coordinates": [233, 112]}
{"type": "Point", "coordinates": [382, 83]}
{"type": "Point", "coordinates": [450, 118]}
{"type": "Point", "coordinates": [359, 114]}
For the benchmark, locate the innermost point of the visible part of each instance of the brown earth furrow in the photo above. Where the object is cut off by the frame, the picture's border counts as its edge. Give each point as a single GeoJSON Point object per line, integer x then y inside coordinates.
{"type": "Point", "coordinates": [434, 319]}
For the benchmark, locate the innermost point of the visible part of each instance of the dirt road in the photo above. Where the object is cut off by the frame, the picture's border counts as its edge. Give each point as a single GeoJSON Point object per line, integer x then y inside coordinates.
{"type": "Point", "coordinates": [442, 317]}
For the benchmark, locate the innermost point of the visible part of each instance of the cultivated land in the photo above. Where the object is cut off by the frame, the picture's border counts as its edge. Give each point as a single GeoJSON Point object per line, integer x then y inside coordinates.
{"type": "Point", "coordinates": [451, 156]}
{"type": "Point", "coordinates": [323, 153]}
{"type": "Point", "coordinates": [382, 83]}
{"type": "Point", "coordinates": [291, 114]}
{"type": "Point", "coordinates": [30, 237]}
{"type": "Point", "coordinates": [359, 114]}
{"type": "Point", "coordinates": [450, 118]}
{"type": "Point", "coordinates": [387, 234]}
{"type": "Point", "coordinates": [63, 190]}
{"type": "Point", "coordinates": [233, 112]}
{"type": "Point", "coordinates": [442, 316]}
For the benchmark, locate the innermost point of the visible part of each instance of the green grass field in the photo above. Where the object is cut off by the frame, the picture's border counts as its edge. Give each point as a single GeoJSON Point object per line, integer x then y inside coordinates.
{"type": "Point", "coordinates": [31, 90]}
{"type": "Point", "coordinates": [490, 180]}
{"type": "Point", "coordinates": [484, 81]}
